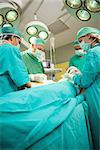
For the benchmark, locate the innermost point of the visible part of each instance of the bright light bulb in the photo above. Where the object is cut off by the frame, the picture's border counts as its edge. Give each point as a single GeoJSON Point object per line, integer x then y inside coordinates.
{"type": "Point", "coordinates": [11, 15]}
{"type": "Point", "coordinates": [93, 5]}
{"type": "Point", "coordinates": [83, 15]}
{"type": "Point", "coordinates": [32, 39]}
{"type": "Point", "coordinates": [43, 35]}
{"type": "Point", "coordinates": [73, 3]}
{"type": "Point", "coordinates": [7, 25]}
{"type": "Point", "coordinates": [32, 30]}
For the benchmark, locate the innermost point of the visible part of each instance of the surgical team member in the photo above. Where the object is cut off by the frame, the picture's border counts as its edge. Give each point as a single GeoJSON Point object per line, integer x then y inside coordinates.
{"type": "Point", "coordinates": [33, 60]}
{"type": "Point", "coordinates": [79, 58]}
{"type": "Point", "coordinates": [13, 73]}
{"type": "Point", "coordinates": [89, 39]}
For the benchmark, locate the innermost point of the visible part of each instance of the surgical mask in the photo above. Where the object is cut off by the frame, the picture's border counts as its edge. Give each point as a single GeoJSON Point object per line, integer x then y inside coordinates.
{"type": "Point", "coordinates": [40, 55]}
{"type": "Point", "coordinates": [79, 52]}
{"type": "Point", "coordinates": [85, 46]}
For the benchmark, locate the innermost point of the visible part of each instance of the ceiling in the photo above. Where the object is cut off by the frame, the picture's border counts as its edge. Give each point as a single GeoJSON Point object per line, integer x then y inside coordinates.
{"type": "Point", "coordinates": [60, 22]}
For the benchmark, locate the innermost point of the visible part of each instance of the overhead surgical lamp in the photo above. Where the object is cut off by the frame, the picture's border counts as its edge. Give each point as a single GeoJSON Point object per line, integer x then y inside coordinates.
{"type": "Point", "coordinates": [43, 35]}
{"type": "Point", "coordinates": [83, 9]}
{"type": "Point", "coordinates": [93, 6]}
{"type": "Point", "coordinates": [31, 39]}
{"type": "Point", "coordinates": [83, 14]}
{"type": "Point", "coordinates": [7, 25]}
{"type": "Point", "coordinates": [36, 29]}
{"type": "Point", "coordinates": [32, 30]}
{"type": "Point", "coordinates": [9, 15]}
{"type": "Point", "coordinates": [74, 3]}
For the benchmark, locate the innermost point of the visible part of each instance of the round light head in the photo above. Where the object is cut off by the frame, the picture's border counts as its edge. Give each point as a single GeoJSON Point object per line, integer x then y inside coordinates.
{"type": "Point", "coordinates": [83, 14]}
{"type": "Point", "coordinates": [92, 5]}
{"type": "Point", "coordinates": [36, 29]}
{"type": "Point", "coordinates": [31, 30]}
{"type": "Point", "coordinates": [74, 3]}
{"type": "Point", "coordinates": [1, 19]}
{"type": "Point", "coordinates": [32, 39]}
{"type": "Point", "coordinates": [43, 35]}
{"type": "Point", "coordinates": [7, 25]}
{"type": "Point", "coordinates": [11, 15]}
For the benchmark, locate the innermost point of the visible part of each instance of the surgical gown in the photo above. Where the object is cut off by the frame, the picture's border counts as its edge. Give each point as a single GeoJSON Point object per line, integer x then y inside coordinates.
{"type": "Point", "coordinates": [90, 79]}
{"type": "Point", "coordinates": [77, 62]}
{"type": "Point", "coordinates": [33, 65]}
{"type": "Point", "coordinates": [13, 73]}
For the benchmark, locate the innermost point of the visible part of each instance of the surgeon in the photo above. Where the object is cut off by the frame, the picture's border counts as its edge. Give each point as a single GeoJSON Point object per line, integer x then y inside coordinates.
{"type": "Point", "coordinates": [13, 74]}
{"type": "Point", "coordinates": [89, 39]}
{"type": "Point", "coordinates": [79, 58]}
{"type": "Point", "coordinates": [33, 59]}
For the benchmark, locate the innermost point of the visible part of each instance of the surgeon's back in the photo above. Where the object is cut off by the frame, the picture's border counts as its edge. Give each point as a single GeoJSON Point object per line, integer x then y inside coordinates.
{"type": "Point", "coordinates": [13, 73]}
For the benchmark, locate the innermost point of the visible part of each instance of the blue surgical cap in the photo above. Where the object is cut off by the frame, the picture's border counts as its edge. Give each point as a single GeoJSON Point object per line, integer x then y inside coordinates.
{"type": "Point", "coordinates": [10, 31]}
{"type": "Point", "coordinates": [87, 30]}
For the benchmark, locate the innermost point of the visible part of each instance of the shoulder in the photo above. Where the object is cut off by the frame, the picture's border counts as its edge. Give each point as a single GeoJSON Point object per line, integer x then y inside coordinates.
{"type": "Point", "coordinates": [95, 51]}
{"type": "Point", "coordinates": [73, 57]}
{"type": "Point", "coordinates": [9, 48]}
{"type": "Point", "coordinates": [93, 55]}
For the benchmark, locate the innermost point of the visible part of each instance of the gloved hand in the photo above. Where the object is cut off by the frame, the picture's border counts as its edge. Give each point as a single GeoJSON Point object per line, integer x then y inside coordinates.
{"type": "Point", "coordinates": [71, 72]}
{"type": "Point", "coordinates": [38, 77]}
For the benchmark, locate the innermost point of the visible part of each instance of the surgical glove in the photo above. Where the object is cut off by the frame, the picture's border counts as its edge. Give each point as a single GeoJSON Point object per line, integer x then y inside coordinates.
{"type": "Point", "coordinates": [71, 72]}
{"type": "Point", "coordinates": [38, 77]}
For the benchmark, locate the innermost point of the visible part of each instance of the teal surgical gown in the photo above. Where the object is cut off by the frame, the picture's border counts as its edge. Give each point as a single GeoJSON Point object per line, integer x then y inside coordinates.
{"type": "Point", "coordinates": [33, 65]}
{"type": "Point", "coordinates": [13, 73]}
{"type": "Point", "coordinates": [77, 62]}
{"type": "Point", "coordinates": [90, 80]}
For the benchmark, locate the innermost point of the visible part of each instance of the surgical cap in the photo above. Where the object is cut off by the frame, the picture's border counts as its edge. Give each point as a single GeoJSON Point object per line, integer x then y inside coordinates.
{"type": "Point", "coordinates": [39, 41]}
{"type": "Point", "coordinates": [75, 43]}
{"type": "Point", "coordinates": [10, 31]}
{"type": "Point", "coordinates": [87, 30]}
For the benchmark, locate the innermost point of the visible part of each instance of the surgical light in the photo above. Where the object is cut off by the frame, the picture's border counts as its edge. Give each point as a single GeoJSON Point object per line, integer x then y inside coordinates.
{"type": "Point", "coordinates": [83, 9]}
{"type": "Point", "coordinates": [43, 35]}
{"type": "Point", "coordinates": [32, 39]}
{"type": "Point", "coordinates": [11, 15]}
{"type": "Point", "coordinates": [74, 3]}
{"type": "Point", "coordinates": [83, 14]}
{"type": "Point", "coordinates": [36, 29]}
{"type": "Point", "coordinates": [92, 5]}
{"type": "Point", "coordinates": [8, 25]}
{"type": "Point", "coordinates": [1, 20]}
{"type": "Point", "coordinates": [32, 30]}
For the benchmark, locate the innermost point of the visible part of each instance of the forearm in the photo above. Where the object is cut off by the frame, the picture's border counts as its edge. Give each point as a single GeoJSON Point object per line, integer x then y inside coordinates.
{"type": "Point", "coordinates": [29, 84]}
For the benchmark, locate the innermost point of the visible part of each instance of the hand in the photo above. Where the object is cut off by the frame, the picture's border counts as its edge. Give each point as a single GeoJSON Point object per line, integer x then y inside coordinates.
{"type": "Point", "coordinates": [29, 84]}
{"type": "Point", "coordinates": [71, 72]}
{"type": "Point", "coordinates": [38, 77]}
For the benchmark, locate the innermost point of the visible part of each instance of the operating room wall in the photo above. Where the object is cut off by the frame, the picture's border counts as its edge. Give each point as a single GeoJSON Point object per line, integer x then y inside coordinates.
{"type": "Point", "coordinates": [62, 54]}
